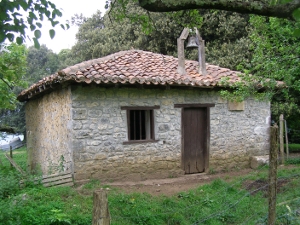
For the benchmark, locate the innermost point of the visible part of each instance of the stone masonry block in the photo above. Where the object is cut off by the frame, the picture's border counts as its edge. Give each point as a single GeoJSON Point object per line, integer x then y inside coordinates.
{"type": "Point", "coordinates": [256, 161]}
{"type": "Point", "coordinates": [79, 114]}
{"type": "Point", "coordinates": [95, 113]}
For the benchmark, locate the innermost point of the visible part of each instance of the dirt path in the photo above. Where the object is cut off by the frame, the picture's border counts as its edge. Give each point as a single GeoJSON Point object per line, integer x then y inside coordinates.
{"type": "Point", "coordinates": [172, 186]}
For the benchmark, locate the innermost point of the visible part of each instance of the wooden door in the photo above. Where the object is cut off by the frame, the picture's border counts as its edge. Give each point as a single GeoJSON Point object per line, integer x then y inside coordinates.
{"type": "Point", "coordinates": [194, 135]}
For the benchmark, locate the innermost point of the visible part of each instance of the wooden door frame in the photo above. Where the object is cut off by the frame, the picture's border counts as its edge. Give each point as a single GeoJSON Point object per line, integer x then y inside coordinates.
{"type": "Point", "coordinates": [207, 149]}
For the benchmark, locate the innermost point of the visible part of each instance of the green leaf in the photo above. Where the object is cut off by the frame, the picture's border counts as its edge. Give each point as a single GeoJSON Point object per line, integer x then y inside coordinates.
{"type": "Point", "coordinates": [284, 1]}
{"type": "Point", "coordinates": [14, 28]}
{"type": "Point", "coordinates": [32, 16]}
{"type": "Point", "coordinates": [52, 33]}
{"type": "Point", "coordinates": [296, 14]}
{"type": "Point", "coordinates": [36, 43]}
{"type": "Point", "coordinates": [10, 37]}
{"type": "Point", "coordinates": [15, 14]}
{"type": "Point", "coordinates": [107, 4]}
{"type": "Point", "coordinates": [297, 33]}
{"type": "Point", "coordinates": [52, 5]}
{"type": "Point", "coordinates": [32, 27]}
{"type": "Point", "coordinates": [37, 7]}
{"type": "Point", "coordinates": [16, 22]}
{"type": "Point", "coordinates": [4, 67]}
{"type": "Point", "coordinates": [48, 13]}
{"type": "Point", "coordinates": [29, 20]}
{"type": "Point", "coordinates": [2, 37]}
{"type": "Point", "coordinates": [19, 40]}
{"type": "Point", "coordinates": [44, 2]}
{"type": "Point", "coordinates": [37, 34]}
{"type": "Point", "coordinates": [62, 26]}
{"type": "Point", "coordinates": [41, 16]}
{"type": "Point", "coordinates": [54, 23]}
{"type": "Point", "coordinates": [39, 25]}
{"type": "Point", "coordinates": [58, 13]}
{"type": "Point", "coordinates": [24, 5]}
{"type": "Point", "coordinates": [53, 15]}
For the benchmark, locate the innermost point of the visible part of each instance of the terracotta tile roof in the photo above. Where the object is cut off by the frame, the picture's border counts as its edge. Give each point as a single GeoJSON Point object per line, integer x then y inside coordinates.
{"type": "Point", "coordinates": [131, 67]}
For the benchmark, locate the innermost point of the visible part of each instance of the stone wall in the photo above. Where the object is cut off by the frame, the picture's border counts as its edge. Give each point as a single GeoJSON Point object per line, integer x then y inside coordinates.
{"type": "Point", "coordinates": [48, 132]}
{"type": "Point", "coordinates": [238, 135]}
{"type": "Point", "coordinates": [100, 128]}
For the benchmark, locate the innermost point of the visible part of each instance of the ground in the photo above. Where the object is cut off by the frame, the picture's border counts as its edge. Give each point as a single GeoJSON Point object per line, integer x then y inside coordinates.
{"type": "Point", "coordinates": [172, 186]}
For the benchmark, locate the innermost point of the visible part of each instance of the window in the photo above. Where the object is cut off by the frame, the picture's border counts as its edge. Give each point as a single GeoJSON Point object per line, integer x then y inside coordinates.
{"type": "Point", "coordinates": [140, 123]}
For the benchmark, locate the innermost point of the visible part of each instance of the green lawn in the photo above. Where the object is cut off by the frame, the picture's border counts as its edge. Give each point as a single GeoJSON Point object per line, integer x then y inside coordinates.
{"type": "Point", "coordinates": [241, 201]}
{"type": "Point", "coordinates": [293, 147]}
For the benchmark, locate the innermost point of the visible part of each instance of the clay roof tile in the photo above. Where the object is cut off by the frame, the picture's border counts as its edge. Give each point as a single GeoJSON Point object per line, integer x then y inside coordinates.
{"type": "Point", "coordinates": [134, 66]}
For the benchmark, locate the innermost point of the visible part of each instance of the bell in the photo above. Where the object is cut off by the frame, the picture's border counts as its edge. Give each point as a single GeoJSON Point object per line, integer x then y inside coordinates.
{"type": "Point", "coordinates": [192, 42]}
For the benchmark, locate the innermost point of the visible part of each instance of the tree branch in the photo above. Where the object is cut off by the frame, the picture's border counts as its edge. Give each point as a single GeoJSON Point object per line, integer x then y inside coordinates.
{"type": "Point", "coordinates": [6, 83]}
{"type": "Point", "coordinates": [7, 129]}
{"type": "Point", "coordinates": [258, 7]}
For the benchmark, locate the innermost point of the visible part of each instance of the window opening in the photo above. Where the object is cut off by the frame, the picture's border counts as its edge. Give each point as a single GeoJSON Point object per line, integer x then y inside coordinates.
{"type": "Point", "coordinates": [140, 124]}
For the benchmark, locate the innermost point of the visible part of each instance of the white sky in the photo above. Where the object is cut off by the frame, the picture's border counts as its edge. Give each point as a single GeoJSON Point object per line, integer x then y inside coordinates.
{"type": "Point", "coordinates": [66, 38]}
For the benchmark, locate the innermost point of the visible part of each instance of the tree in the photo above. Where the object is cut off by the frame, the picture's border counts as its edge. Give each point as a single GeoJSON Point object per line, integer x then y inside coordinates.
{"type": "Point", "coordinates": [89, 35]}
{"type": "Point", "coordinates": [100, 36]}
{"type": "Point", "coordinates": [66, 58]}
{"type": "Point", "coordinates": [13, 120]}
{"type": "Point", "coordinates": [41, 62]}
{"type": "Point", "coordinates": [13, 22]}
{"type": "Point", "coordinates": [12, 71]}
{"type": "Point", "coordinates": [276, 57]}
{"type": "Point", "coordinates": [225, 35]}
{"type": "Point", "coordinates": [273, 71]}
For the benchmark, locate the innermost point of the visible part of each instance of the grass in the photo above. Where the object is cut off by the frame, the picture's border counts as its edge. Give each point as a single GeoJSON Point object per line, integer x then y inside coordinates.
{"type": "Point", "coordinates": [293, 148]}
{"type": "Point", "coordinates": [240, 201]}
{"type": "Point", "coordinates": [19, 156]}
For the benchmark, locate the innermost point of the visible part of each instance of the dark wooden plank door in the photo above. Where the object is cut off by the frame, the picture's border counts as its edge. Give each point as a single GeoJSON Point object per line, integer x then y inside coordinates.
{"type": "Point", "coordinates": [194, 124]}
